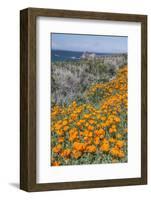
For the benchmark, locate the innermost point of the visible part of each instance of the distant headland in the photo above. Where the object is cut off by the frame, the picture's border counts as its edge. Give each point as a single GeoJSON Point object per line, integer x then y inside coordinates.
{"type": "Point", "coordinates": [66, 55]}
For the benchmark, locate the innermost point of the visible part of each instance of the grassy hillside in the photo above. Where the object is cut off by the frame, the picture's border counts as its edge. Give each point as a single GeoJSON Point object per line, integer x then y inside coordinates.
{"type": "Point", "coordinates": [89, 113]}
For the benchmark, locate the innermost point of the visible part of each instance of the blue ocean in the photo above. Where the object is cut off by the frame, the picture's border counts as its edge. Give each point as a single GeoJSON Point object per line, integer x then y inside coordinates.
{"type": "Point", "coordinates": [62, 55]}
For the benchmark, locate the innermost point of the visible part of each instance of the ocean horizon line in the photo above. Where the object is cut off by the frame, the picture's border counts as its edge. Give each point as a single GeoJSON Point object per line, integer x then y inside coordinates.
{"type": "Point", "coordinates": [87, 51]}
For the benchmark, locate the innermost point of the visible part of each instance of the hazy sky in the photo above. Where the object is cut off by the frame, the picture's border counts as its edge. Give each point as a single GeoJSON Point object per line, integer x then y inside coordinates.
{"type": "Point", "coordinates": [92, 43]}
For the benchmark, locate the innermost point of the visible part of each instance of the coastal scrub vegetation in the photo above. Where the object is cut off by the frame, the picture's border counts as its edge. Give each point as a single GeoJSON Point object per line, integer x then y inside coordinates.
{"type": "Point", "coordinates": [89, 102]}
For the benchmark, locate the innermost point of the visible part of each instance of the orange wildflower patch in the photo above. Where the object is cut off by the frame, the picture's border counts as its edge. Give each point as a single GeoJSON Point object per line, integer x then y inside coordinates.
{"type": "Point", "coordinates": [94, 131]}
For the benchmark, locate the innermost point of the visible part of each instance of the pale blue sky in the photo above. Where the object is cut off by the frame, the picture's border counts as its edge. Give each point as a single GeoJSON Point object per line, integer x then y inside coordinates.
{"type": "Point", "coordinates": [92, 43]}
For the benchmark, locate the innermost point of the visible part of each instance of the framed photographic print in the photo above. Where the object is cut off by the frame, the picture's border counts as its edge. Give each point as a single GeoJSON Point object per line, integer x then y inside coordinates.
{"type": "Point", "coordinates": [83, 93]}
